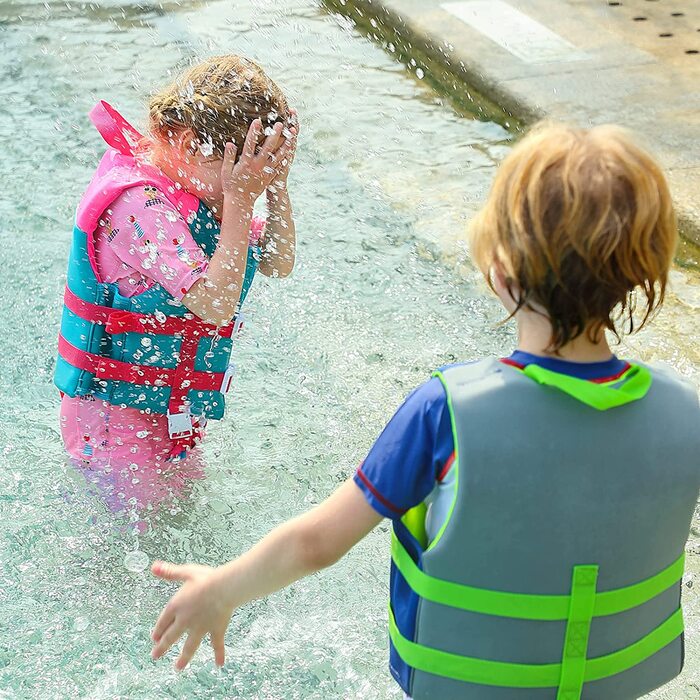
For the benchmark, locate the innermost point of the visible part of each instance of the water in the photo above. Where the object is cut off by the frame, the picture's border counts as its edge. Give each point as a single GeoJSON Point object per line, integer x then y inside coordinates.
{"type": "Point", "coordinates": [385, 180]}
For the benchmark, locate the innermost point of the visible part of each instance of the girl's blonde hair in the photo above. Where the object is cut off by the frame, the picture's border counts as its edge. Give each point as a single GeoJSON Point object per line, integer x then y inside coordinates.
{"type": "Point", "coordinates": [218, 99]}
{"type": "Point", "coordinates": [581, 223]}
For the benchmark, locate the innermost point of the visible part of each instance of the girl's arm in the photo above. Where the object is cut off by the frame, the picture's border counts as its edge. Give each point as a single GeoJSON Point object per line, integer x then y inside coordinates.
{"type": "Point", "coordinates": [214, 298]}
{"type": "Point", "coordinates": [280, 233]}
{"type": "Point", "coordinates": [279, 243]}
{"type": "Point", "coordinates": [295, 549]}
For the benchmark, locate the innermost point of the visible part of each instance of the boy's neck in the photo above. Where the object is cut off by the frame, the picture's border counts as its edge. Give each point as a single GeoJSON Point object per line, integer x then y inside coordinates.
{"type": "Point", "coordinates": [534, 336]}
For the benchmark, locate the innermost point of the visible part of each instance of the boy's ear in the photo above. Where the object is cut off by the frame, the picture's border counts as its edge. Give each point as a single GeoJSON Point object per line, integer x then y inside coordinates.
{"type": "Point", "coordinates": [497, 276]}
{"type": "Point", "coordinates": [504, 286]}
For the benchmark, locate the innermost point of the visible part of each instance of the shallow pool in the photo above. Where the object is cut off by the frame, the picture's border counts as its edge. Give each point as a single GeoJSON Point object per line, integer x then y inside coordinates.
{"type": "Point", "coordinates": [386, 177]}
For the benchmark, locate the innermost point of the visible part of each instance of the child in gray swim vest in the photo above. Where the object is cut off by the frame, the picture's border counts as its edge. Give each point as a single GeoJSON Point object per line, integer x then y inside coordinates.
{"type": "Point", "coordinates": [540, 502]}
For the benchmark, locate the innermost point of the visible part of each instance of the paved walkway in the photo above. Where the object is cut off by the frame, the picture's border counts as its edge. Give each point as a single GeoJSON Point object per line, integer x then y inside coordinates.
{"type": "Point", "coordinates": [633, 62]}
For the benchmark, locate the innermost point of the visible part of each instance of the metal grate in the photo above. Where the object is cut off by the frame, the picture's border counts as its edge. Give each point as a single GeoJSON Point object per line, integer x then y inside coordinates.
{"type": "Point", "coordinates": [668, 28]}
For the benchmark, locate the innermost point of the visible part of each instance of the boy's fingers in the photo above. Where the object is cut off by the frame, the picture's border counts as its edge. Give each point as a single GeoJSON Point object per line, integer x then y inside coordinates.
{"type": "Point", "coordinates": [251, 139]}
{"type": "Point", "coordinates": [165, 619]}
{"type": "Point", "coordinates": [172, 634]}
{"type": "Point", "coordinates": [169, 572]}
{"type": "Point", "coordinates": [217, 643]}
{"type": "Point", "coordinates": [194, 639]}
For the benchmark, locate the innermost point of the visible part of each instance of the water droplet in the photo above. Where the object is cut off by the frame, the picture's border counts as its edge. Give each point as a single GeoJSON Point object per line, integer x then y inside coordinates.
{"type": "Point", "coordinates": [136, 561]}
{"type": "Point", "coordinates": [80, 624]}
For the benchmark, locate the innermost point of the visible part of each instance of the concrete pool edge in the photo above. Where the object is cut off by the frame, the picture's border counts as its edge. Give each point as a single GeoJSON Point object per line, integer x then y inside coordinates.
{"type": "Point", "coordinates": [524, 93]}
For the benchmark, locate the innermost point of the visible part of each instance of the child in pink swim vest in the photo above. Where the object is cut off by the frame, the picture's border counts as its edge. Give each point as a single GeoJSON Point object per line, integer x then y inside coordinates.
{"type": "Point", "coordinates": [220, 136]}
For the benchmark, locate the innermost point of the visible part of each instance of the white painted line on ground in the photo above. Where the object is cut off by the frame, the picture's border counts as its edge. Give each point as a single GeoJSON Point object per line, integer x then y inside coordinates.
{"type": "Point", "coordinates": [515, 31]}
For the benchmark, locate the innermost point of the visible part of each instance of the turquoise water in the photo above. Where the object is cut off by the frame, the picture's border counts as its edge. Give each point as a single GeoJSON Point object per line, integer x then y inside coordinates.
{"type": "Point", "coordinates": [386, 178]}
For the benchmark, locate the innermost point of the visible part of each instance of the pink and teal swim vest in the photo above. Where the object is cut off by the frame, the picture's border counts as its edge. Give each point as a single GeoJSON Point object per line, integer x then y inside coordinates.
{"type": "Point", "coordinates": [146, 351]}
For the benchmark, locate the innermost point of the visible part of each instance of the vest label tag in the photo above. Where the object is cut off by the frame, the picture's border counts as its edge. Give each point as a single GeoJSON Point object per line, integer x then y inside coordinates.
{"type": "Point", "coordinates": [180, 424]}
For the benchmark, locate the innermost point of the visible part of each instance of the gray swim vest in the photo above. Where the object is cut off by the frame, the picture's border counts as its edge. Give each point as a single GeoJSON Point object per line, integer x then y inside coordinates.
{"type": "Point", "coordinates": [557, 573]}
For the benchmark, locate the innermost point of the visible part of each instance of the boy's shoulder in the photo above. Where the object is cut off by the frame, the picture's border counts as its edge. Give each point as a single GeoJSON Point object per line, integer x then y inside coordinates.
{"type": "Point", "coordinates": [664, 374]}
{"type": "Point", "coordinates": [468, 372]}
{"type": "Point", "coordinates": [455, 365]}
{"type": "Point", "coordinates": [432, 391]}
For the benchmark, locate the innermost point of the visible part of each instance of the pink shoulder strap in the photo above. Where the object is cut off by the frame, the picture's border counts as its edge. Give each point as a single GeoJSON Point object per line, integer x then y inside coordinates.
{"type": "Point", "coordinates": [114, 129]}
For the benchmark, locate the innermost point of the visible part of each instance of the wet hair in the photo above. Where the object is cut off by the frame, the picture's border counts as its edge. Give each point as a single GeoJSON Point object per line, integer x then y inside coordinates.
{"type": "Point", "coordinates": [218, 99]}
{"type": "Point", "coordinates": [581, 223]}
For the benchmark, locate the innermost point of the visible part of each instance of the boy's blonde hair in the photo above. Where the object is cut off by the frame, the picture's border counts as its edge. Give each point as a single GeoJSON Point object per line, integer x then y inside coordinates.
{"type": "Point", "coordinates": [580, 221]}
{"type": "Point", "coordinates": [218, 99]}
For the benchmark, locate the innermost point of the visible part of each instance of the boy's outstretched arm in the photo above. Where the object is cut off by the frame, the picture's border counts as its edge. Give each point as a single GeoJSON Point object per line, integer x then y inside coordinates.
{"type": "Point", "coordinates": [299, 547]}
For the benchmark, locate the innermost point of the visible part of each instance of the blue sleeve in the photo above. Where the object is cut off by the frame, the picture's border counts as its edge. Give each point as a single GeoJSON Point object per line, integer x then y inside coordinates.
{"type": "Point", "coordinates": [411, 454]}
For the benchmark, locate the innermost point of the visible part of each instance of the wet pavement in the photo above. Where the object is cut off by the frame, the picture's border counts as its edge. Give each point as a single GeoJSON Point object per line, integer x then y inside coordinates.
{"type": "Point", "coordinates": [635, 63]}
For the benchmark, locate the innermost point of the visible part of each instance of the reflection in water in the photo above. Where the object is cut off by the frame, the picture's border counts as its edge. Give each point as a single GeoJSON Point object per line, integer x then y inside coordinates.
{"type": "Point", "coordinates": [138, 492]}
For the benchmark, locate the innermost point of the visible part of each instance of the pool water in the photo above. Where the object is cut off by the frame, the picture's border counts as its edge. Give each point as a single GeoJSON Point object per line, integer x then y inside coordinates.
{"type": "Point", "coordinates": [386, 177]}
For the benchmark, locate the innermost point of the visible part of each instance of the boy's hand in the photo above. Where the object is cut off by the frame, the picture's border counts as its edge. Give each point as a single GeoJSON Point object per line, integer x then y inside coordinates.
{"type": "Point", "coordinates": [254, 172]}
{"type": "Point", "coordinates": [199, 608]}
{"type": "Point", "coordinates": [207, 599]}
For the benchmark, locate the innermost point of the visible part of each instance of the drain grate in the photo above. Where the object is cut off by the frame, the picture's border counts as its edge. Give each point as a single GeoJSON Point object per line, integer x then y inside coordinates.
{"type": "Point", "coordinates": [667, 28]}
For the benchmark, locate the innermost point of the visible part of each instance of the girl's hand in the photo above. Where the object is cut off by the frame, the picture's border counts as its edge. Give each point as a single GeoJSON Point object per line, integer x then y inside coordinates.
{"type": "Point", "coordinates": [254, 172]}
{"type": "Point", "coordinates": [284, 163]}
{"type": "Point", "coordinates": [199, 608]}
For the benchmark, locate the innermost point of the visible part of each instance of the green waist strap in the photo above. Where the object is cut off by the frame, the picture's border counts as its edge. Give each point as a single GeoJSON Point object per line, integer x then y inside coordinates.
{"type": "Point", "coordinates": [526, 606]}
{"type": "Point", "coordinates": [498, 673]}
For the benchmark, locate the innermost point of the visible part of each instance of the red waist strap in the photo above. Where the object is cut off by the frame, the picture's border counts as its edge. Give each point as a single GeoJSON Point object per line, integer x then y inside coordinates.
{"type": "Point", "coordinates": [122, 321]}
{"type": "Point", "coordinates": [181, 379]}
{"type": "Point", "coordinates": [107, 368]}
